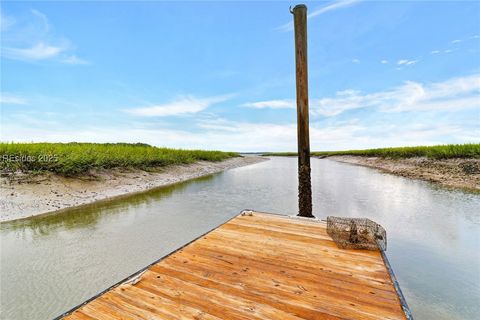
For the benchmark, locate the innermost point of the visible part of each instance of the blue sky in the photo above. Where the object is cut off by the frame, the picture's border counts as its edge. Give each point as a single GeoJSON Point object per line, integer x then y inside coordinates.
{"type": "Point", "coordinates": [221, 75]}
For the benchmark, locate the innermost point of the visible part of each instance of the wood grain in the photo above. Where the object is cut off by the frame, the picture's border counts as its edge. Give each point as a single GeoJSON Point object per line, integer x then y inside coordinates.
{"type": "Point", "coordinates": [261, 266]}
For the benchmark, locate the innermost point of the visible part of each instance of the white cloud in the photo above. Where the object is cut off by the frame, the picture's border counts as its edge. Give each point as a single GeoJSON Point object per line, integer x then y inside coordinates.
{"type": "Point", "coordinates": [7, 98]}
{"type": "Point", "coordinates": [448, 51]}
{"type": "Point", "coordinates": [338, 4]}
{"type": "Point", "coordinates": [406, 62]}
{"type": "Point", "coordinates": [43, 19]}
{"type": "Point", "coordinates": [384, 61]}
{"type": "Point", "coordinates": [456, 41]}
{"type": "Point", "coordinates": [223, 134]}
{"type": "Point", "coordinates": [273, 104]}
{"type": "Point", "coordinates": [183, 105]}
{"type": "Point", "coordinates": [40, 51]}
{"type": "Point", "coordinates": [450, 95]}
{"type": "Point", "coordinates": [435, 52]}
{"type": "Point", "coordinates": [332, 106]}
{"type": "Point", "coordinates": [32, 39]}
{"type": "Point", "coordinates": [334, 6]}
{"type": "Point", "coordinates": [73, 59]}
{"type": "Point", "coordinates": [356, 61]}
{"type": "Point", "coordinates": [269, 136]}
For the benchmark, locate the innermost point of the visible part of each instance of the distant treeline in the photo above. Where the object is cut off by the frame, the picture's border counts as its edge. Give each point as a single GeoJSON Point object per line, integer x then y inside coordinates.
{"type": "Point", "coordinates": [469, 150]}
{"type": "Point", "coordinates": [77, 158]}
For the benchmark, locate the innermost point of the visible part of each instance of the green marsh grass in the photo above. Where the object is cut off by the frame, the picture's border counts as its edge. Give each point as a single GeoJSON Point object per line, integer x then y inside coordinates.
{"type": "Point", "coordinates": [78, 158]}
{"type": "Point", "coordinates": [449, 151]}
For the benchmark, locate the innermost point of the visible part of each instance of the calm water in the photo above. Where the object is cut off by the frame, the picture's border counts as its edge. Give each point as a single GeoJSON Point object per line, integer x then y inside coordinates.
{"type": "Point", "coordinates": [52, 263]}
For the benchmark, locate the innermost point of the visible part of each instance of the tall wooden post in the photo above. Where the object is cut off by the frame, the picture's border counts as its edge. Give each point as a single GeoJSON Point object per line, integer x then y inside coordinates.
{"type": "Point", "coordinates": [304, 180]}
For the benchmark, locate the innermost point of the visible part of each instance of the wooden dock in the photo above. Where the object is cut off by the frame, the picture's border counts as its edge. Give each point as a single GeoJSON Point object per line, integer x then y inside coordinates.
{"type": "Point", "coordinates": [255, 266]}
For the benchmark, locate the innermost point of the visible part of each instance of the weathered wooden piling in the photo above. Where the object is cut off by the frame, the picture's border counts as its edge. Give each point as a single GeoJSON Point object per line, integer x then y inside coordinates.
{"type": "Point", "coordinates": [258, 265]}
{"type": "Point", "coordinates": [304, 180]}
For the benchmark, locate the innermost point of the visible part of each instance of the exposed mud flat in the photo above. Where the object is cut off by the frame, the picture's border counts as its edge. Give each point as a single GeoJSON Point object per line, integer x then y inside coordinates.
{"type": "Point", "coordinates": [23, 195]}
{"type": "Point", "coordinates": [454, 173]}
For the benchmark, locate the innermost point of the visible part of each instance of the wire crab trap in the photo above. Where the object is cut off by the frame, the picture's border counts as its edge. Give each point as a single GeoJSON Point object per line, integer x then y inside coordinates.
{"type": "Point", "coordinates": [357, 233]}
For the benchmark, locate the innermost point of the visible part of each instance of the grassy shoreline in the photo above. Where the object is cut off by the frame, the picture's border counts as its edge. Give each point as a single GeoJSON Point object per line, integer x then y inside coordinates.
{"type": "Point", "coordinates": [450, 151]}
{"type": "Point", "coordinates": [78, 158]}
{"type": "Point", "coordinates": [34, 195]}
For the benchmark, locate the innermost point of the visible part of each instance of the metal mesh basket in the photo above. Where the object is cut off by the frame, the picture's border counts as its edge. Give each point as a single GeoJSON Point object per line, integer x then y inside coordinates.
{"type": "Point", "coordinates": [357, 233]}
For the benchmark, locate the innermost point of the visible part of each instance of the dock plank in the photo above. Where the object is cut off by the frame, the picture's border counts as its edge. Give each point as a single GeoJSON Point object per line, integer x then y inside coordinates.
{"type": "Point", "coordinates": [258, 266]}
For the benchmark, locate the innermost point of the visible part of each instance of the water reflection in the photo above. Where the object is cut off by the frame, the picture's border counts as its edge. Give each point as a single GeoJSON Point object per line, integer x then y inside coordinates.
{"type": "Point", "coordinates": [51, 263]}
{"type": "Point", "coordinates": [88, 215]}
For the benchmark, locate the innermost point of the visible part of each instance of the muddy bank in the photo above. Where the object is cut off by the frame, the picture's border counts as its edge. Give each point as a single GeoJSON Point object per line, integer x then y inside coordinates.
{"type": "Point", "coordinates": [22, 196]}
{"type": "Point", "coordinates": [454, 173]}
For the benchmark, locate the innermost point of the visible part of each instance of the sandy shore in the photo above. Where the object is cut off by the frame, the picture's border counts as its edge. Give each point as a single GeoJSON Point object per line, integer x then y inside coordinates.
{"type": "Point", "coordinates": [454, 173]}
{"type": "Point", "coordinates": [25, 196]}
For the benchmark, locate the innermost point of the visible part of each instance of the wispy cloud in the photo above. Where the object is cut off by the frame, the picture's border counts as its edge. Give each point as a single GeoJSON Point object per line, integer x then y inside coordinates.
{"type": "Point", "coordinates": [454, 45]}
{"type": "Point", "coordinates": [73, 59]}
{"type": "Point", "coordinates": [355, 61]}
{"type": "Point", "coordinates": [181, 106]}
{"type": "Point", "coordinates": [384, 61]}
{"type": "Point", "coordinates": [40, 51]}
{"type": "Point", "coordinates": [42, 18]}
{"type": "Point", "coordinates": [405, 62]}
{"type": "Point", "coordinates": [338, 4]}
{"type": "Point", "coordinates": [8, 98]}
{"type": "Point", "coordinates": [272, 104]}
{"type": "Point", "coordinates": [334, 6]}
{"type": "Point", "coordinates": [32, 39]}
{"type": "Point", "coordinates": [450, 95]}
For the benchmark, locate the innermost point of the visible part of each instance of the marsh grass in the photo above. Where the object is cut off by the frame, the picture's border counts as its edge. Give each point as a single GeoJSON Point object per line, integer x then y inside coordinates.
{"type": "Point", "coordinates": [78, 158]}
{"type": "Point", "coordinates": [449, 151]}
